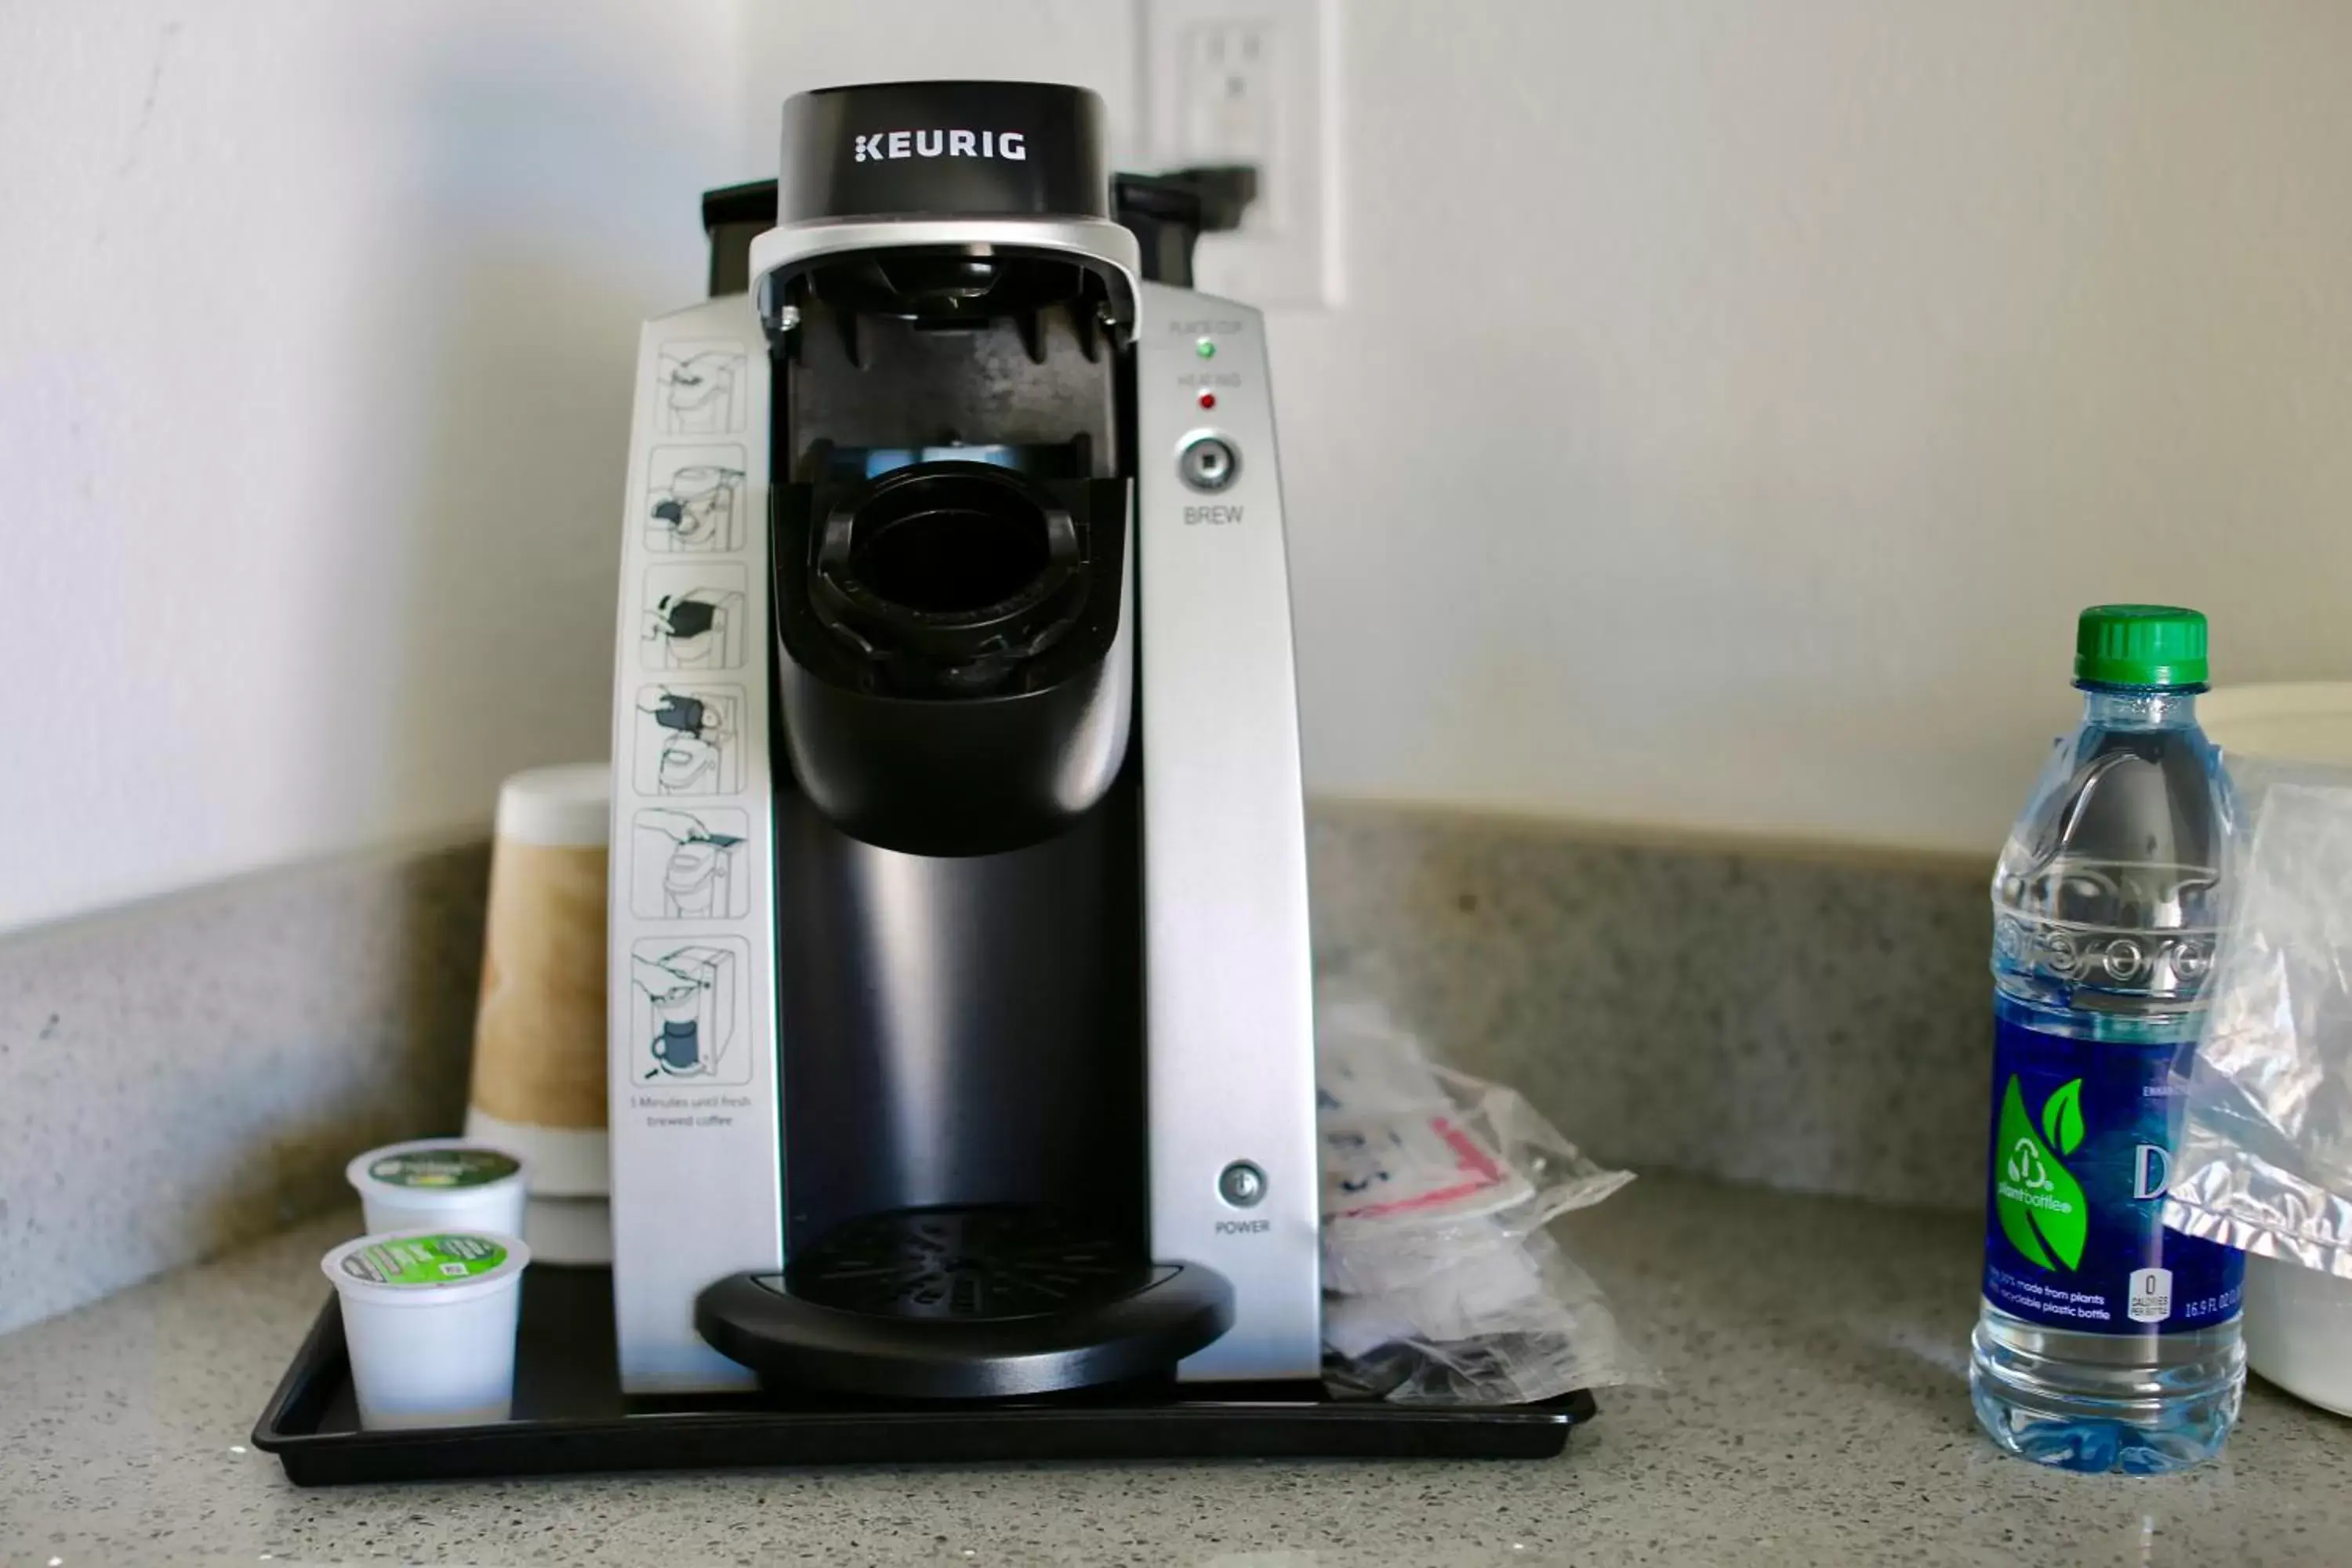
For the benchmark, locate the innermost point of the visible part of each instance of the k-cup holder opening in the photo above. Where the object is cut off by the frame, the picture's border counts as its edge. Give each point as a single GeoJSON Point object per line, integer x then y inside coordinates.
{"type": "Point", "coordinates": [954, 549]}
{"type": "Point", "coordinates": [949, 562]}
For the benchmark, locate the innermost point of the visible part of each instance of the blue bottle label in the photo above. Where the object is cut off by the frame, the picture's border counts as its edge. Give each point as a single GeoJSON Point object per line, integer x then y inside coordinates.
{"type": "Point", "coordinates": [2083, 1134]}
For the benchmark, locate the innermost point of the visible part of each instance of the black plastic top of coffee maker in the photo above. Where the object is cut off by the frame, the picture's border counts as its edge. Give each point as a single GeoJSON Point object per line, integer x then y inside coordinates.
{"type": "Point", "coordinates": [944, 149]}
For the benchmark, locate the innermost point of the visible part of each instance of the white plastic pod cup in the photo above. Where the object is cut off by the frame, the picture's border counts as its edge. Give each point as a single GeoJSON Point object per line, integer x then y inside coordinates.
{"type": "Point", "coordinates": [441, 1183]}
{"type": "Point", "coordinates": [429, 1320]}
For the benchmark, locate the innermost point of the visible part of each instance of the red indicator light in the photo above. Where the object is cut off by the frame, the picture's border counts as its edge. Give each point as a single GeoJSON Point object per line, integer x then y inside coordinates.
{"type": "Point", "coordinates": [1207, 400]}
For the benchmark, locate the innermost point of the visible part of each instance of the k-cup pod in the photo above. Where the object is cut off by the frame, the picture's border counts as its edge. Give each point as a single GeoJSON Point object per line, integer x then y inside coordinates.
{"type": "Point", "coordinates": [441, 1183]}
{"type": "Point", "coordinates": [429, 1321]}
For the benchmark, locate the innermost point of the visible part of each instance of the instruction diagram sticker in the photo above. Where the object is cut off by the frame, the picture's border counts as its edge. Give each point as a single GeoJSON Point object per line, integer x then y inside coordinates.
{"type": "Point", "coordinates": [694, 498]}
{"type": "Point", "coordinates": [694, 617]}
{"type": "Point", "coordinates": [689, 864]}
{"type": "Point", "coordinates": [687, 1004]}
{"type": "Point", "coordinates": [688, 740]}
{"type": "Point", "coordinates": [701, 388]}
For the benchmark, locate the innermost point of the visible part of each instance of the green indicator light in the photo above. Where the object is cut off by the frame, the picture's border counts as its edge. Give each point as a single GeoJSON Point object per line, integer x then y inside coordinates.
{"type": "Point", "coordinates": [1206, 349]}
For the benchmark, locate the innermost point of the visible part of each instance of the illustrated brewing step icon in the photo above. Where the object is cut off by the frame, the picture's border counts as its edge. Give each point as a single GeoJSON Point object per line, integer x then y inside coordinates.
{"type": "Point", "coordinates": [694, 617]}
{"type": "Point", "coordinates": [688, 864]}
{"type": "Point", "coordinates": [688, 740]}
{"type": "Point", "coordinates": [701, 390]}
{"type": "Point", "coordinates": [686, 1002]}
{"type": "Point", "coordinates": [694, 498]}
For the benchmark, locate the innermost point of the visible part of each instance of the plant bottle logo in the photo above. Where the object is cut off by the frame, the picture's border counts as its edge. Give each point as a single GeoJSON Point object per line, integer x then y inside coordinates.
{"type": "Point", "coordinates": [2039, 1201]}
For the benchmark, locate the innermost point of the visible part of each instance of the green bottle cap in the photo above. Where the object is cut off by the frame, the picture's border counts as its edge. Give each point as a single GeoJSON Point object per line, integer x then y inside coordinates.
{"type": "Point", "coordinates": [2141, 645]}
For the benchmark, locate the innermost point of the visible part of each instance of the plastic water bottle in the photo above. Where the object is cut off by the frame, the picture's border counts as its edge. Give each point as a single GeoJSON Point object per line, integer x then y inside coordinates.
{"type": "Point", "coordinates": [2106, 1343]}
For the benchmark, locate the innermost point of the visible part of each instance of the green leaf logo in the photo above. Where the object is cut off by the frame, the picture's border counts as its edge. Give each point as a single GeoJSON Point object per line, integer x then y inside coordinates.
{"type": "Point", "coordinates": [2038, 1202]}
{"type": "Point", "coordinates": [2062, 1117]}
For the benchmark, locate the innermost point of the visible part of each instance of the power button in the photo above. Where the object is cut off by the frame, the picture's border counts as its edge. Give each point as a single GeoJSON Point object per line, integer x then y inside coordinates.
{"type": "Point", "coordinates": [1241, 1185]}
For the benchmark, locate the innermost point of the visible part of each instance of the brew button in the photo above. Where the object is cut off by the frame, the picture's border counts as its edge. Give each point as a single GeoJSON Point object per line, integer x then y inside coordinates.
{"type": "Point", "coordinates": [1242, 1185]}
{"type": "Point", "coordinates": [1207, 463]}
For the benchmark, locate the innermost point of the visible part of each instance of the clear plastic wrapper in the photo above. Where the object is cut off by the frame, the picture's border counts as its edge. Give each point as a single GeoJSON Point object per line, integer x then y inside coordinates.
{"type": "Point", "coordinates": [2264, 1163]}
{"type": "Point", "coordinates": [1443, 1285]}
{"type": "Point", "coordinates": [1424, 1166]}
{"type": "Point", "coordinates": [1517, 1325]}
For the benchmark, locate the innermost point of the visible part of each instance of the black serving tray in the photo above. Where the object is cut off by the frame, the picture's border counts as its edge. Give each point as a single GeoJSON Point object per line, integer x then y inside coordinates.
{"type": "Point", "coordinates": [570, 1414]}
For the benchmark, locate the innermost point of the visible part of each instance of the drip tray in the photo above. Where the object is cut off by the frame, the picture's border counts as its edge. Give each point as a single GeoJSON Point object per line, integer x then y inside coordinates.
{"type": "Point", "coordinates": [570, 1414]}
{"type": "Point", "coordinates": [988, 1302]}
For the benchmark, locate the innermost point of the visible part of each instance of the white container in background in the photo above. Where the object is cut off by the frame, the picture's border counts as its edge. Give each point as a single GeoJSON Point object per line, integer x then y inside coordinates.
{"type": "Point", "coordinates": [2302, 721]}
{"type": "Point", "coordinates": [429, 1320]}
{"type": "Point", "coordinates": [2299, 1330]}
{"type": "Point", "coordinates": [441, 1183]}
{"type": "Point", "coordinates": [2298, 1321]}
{"type": "Point", "coordinates": [568, 1232]}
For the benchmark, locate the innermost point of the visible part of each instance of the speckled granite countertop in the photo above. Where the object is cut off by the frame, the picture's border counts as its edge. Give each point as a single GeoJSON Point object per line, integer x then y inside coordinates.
{"type": "Point", "coordinates": [1819, 1414]}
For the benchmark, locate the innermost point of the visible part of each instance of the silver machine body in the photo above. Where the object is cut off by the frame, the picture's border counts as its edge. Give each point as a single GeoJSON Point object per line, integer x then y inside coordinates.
{"type": "Point", "coordinates": [958, 1007]}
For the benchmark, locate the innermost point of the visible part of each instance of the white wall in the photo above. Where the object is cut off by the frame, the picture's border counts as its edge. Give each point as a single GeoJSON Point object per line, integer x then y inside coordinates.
{"type": "Point", "coordinates": [1733, 402]}
{"type": "Point", "coordinates": [316, 324]}
{"type": "Point", "coordinates": [1730, 405]}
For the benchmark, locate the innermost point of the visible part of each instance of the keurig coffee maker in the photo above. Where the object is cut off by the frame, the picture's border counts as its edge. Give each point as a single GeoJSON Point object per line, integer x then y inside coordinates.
{"type": "Point", "coordinates": [962, 1070]}
{"type": "Point", "coordinates": [990, 1071]}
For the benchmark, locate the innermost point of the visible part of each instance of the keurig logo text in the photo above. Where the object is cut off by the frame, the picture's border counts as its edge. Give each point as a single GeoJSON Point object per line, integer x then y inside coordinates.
{"type": "Point", "coordinates": [1011, 145]}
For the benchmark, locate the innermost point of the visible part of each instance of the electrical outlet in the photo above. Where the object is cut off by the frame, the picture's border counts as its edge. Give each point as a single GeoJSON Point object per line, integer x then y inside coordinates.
{"type": "Point", "coordinates": [1249, 81]}
{"type": "Point", "coordinates": [1227, 74]}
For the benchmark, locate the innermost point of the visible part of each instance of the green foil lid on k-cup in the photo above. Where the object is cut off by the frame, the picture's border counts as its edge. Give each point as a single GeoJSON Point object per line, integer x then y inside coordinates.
{"type": "Point", "coordinates": [439, 1170]}
{"type": "Point", "coordinates": [425, 1260]}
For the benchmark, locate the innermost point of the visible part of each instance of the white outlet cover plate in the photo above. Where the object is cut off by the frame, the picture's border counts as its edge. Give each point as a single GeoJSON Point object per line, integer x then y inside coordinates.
{"type": "Point", "coordinates": [1254, 81]}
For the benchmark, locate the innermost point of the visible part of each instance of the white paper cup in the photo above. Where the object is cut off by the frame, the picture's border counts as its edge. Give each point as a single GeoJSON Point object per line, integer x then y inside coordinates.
{"type": "Point", "coordinates": [429, 1320]}
{"type": "Point", "coordinates": [538, 1087]}
{"type": "Point", "coordinates": [441, 1183]}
